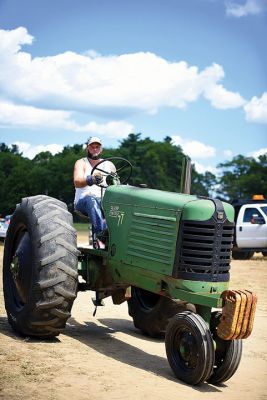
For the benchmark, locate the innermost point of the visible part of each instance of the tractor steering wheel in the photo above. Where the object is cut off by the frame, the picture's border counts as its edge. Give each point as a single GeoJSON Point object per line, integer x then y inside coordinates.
{"type": "Point", "coordinates": [111, 177]}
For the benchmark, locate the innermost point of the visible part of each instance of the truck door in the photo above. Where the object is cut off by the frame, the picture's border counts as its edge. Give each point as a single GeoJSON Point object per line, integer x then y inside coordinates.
{"type": "Point", "coordinates": [248, 234]}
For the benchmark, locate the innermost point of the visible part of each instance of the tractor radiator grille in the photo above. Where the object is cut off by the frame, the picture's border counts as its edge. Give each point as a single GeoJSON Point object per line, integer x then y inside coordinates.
{"type": "Point", "coordinates": [204, 250]}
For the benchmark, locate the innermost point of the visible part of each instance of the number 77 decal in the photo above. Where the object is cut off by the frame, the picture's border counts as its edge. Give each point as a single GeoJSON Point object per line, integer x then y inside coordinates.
{"type": "Point", "coordinates": [120, 218]}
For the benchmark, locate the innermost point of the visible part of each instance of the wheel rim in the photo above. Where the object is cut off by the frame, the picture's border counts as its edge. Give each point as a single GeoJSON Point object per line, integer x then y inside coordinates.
{"type": "Point", "coordinates": [20, 270]}
{"type": "Point", "coordinates": [186, 349]}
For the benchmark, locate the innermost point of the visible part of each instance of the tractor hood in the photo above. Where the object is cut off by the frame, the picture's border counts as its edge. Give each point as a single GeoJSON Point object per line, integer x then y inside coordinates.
{"type": "Point", "coordinates": [191, 207]}
{"type": "Point", "coordinates": [156, 230]}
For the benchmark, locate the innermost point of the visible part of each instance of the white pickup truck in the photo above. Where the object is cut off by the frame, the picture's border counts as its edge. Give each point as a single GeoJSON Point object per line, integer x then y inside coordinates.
{"type": "Point", "coordinates": [251, 227]}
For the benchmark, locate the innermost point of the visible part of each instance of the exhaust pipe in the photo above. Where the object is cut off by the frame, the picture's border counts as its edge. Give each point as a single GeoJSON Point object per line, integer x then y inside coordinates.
{"type": "Point", "coordinates": [186, 175]}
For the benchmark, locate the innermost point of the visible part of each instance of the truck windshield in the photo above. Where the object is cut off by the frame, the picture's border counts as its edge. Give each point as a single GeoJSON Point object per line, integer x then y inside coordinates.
{"type": "Point", "coordinates": [264, 209]}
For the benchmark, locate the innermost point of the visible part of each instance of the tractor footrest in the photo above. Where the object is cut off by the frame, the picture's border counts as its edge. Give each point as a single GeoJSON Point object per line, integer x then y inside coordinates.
{"type": "Point", "coordinates": [237, 314]}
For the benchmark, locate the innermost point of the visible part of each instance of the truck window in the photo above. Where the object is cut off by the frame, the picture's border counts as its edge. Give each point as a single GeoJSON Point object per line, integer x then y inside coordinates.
{"type": "Point", "coordinates": [264, 209]}
{"type": "Point", "coordinates": [249, 214]}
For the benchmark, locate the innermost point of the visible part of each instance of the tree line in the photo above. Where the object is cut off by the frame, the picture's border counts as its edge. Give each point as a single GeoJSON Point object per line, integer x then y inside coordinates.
{"type": "Point", "coordinates": [155, 163]}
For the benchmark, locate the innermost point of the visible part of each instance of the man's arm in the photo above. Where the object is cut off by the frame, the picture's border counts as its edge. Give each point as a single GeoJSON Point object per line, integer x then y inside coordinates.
{"type": "Point", "coordinates": [78, 175]}
{"type": "Point", "coordinates": [79, 178]}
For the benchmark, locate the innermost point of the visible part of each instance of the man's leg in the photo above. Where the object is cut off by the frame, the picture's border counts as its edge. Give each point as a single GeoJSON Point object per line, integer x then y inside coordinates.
{"type": "Point", "coordinates": [91, 207]}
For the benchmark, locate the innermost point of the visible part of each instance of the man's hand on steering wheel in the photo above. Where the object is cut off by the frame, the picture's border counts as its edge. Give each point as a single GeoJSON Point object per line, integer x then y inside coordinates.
{"type": "Point", "coordinates": [97, 178]}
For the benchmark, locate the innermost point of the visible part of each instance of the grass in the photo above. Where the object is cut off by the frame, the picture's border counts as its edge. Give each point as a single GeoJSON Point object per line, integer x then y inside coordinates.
{"type": "Point", "coordinates": [81, 226]}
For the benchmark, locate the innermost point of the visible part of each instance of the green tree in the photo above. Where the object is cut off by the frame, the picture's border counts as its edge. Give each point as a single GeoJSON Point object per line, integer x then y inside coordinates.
{"type": "Point", "coordinates": [5, 149]}
{"type": "Point", "coordinates": [157, 164]}
{"type": "Point", "coordinates": [243, 176]}
{"type": "Point", "coordinates": [203, 184]}
{"type": "Point", "coordinates": [14, 180]}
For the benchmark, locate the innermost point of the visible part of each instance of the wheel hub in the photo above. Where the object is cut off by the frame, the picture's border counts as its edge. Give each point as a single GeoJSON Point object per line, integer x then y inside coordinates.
{"type": "Point", "coordinates": [20, 267]}
{"type": "Point", "coordinates": [14, 267]}
{"type": "Point", "coordinates": [188, 350]}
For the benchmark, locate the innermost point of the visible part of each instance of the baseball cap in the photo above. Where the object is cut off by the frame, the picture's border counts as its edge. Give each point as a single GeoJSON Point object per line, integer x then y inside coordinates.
{"type": "Point", "coordinates": [94, 139]}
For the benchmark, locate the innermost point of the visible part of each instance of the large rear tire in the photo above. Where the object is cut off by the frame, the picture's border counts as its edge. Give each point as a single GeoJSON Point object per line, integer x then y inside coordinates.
{"type": "Point", "coordinates": [40, 267]}
{"type": "Point", "coordinates": [151, 312]}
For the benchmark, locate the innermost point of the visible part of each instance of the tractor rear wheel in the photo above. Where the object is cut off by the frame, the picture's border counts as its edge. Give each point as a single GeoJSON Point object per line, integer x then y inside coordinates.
{"type": "Point", "coordinates": [189, 348]}
{"type": "Point", "coordinates": [151, 312]}
{"type": "Point", "coordinates": [228, 353]}
{"type": "Point", "coordinates": [40, 267]}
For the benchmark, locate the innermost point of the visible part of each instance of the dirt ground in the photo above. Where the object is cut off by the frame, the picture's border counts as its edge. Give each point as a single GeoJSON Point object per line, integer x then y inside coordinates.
{"type": "Point", "coordinates": [105, 357]}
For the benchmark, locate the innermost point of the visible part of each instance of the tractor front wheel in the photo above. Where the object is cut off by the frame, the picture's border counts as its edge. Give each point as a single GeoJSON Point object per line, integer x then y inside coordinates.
{"type": "Point", "coordinates": [40, 267]}
{"type": "Point", "coordinates": [151, 312]}
{"type": "Point", "coordinates": [189, 348]}
{"type": "Point", "coordinates": [228, 353]}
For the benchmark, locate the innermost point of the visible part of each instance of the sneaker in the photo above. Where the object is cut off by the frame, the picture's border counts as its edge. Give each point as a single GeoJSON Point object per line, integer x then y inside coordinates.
{"type": "Point", "coordinates": [102, 236]}
{"type": "Point", "coordinates": [101, 245]}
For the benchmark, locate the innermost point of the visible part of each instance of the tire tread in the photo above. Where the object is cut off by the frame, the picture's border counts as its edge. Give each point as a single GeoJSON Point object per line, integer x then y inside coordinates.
{"type": "Point", "coordinates": [55, 261]}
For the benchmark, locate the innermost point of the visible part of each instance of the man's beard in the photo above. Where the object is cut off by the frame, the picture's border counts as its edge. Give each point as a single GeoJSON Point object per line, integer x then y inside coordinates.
{"type": "Point", "coordinates": [93, 156]}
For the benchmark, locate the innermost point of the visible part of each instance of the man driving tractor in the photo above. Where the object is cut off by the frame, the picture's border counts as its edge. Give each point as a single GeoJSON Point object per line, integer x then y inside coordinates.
{"type": "Point", "coordinates": [89, 189]}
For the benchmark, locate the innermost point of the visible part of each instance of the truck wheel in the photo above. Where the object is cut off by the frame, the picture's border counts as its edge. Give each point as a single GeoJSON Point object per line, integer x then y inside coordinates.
{"type": "Point", "coordinates": [189, 348]}
{"type": "Point", "coordinates": [40, 267]}
{"type": "Point", "coordinates": [242, 255]}
{"type": "Point", "coordinates": [228, 353]}
{"type": "Point", "coordinates": [264, 253]}
{"type": "Point", "coordinates": [151, 312]}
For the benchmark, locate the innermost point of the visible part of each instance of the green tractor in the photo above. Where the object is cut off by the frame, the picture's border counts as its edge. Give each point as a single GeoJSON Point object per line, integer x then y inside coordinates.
{"type": "Point", "coordinates": [167, 254]}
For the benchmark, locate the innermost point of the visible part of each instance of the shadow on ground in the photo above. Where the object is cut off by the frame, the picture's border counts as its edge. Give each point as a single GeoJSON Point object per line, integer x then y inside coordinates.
{"type": "Point", "coordinates": [6, 330]}
{"type": "Point", "coordinates": [102, 340]}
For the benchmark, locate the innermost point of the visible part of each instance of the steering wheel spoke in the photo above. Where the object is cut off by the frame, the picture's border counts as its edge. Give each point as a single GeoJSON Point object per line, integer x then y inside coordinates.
{"type": "Point", "coordinates": [122, 167]}
{"type": "Point", "coordinates": [116, 161]}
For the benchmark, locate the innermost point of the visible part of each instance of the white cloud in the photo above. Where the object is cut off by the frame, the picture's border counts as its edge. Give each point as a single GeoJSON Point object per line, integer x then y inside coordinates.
{"type": "Point", "coordinates": [257, 153]}
{"type": "Point", "coordinates": [201, 169]}
{"type": "Point", "coordinates": [222, 98]}
{"type": "Point", "coordinates": [256, 109]}
{"type": "Point", "coordinates": [113, 129]}
{"type": "Point", "coordinates": [11, 41]}
{"type": "Point", "coordinates": [250, 7]}
{"type": "Point", "coordinates": [28, 116]}
{"type": "Point", "coordinates": [216, 93]}
{"type": "Point", "coordinates": [30, 151]}
{"type": "Point", "coordinates": [228, 153]}
{"type": "Point", "coordinates": [194, 148]}
{"type": "Point", "coordinates": [103, 85]}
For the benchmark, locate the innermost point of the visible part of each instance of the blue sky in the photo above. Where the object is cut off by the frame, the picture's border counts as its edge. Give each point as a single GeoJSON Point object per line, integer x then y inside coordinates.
{"type": "Point", "coordinates": [195, 70]}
